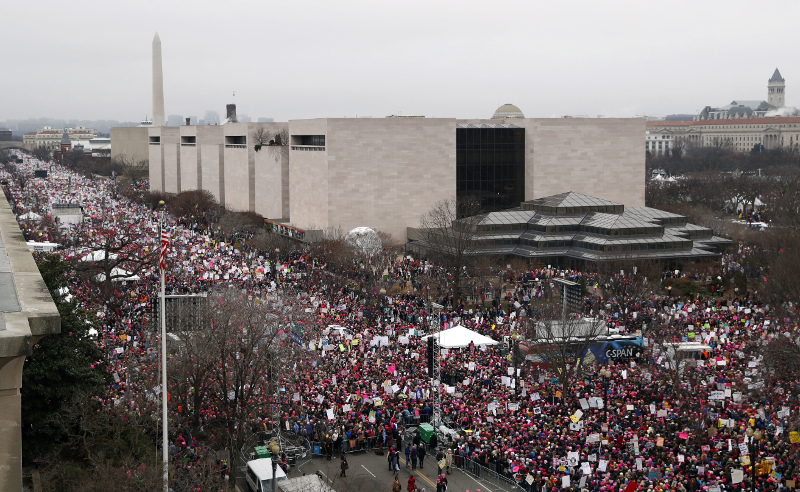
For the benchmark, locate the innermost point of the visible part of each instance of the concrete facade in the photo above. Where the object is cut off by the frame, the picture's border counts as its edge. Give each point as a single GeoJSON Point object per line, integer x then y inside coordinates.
{"type": "Point", "coordinates": [383, 174]}
{"type": "Point", "coordinates": [595, 157]}
{"type": "Point", "coordinates": [222, 159]}
{"type": "Point", "coordinates": [27, 313]}
{"type": "Point", "coordinates": [386, 173]}
{"type": "Point", "coordinates": [131, 142]}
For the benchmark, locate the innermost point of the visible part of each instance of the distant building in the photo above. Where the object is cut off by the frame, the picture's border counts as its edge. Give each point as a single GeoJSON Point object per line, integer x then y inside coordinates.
{"type": "Point", "coordinates": [50, 138]}
{"type": "Point", "coordinates": [211, 118]}
{"type": "Point", "coordinates": [740, 126]}
{"type": "Point", "coordinates": [5, 135]}
{"type": "Point", "coordinates": [95, 148]}
{"type": "Point", "coordinates": [266, 120]}
{"type": "Point", "coordinates": [737, 135]}
{"type": "Point", "coordinates": [174, 120]}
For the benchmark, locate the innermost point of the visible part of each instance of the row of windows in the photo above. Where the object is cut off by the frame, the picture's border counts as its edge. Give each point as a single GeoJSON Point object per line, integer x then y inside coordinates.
{"type": "Point", "coordinates": [571, 228]}
{"type": "Point", "coordinates": [489, 136]}
{"type": "Point", "coordinates": [619, 248]}
{"type": "Point", "coordinates": [605, 248]}
{"type": "Point", "coordinates": [310, 149]}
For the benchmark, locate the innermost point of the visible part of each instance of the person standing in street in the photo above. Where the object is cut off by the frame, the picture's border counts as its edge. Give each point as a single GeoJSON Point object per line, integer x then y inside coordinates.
{"type": "Point", "coordinates": [396, 486]}
{"type": "Point", "coordinates": [421, 455]}
{"type": "Point", "coordinates": [344, 466]}
{"type": "Point", "coordinates": [396, 460]}
{"type": "Point", "coordinates": [411, 484]}
{"type": "Point", "coordinates": [413, 457]}
{"type": "Point", "coordinates": [408, 455]}
{"type": "Point", "coordinates": [448, 460]}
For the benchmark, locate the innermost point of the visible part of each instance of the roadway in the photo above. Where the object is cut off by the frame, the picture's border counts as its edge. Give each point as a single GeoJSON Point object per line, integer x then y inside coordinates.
{"type": "Point", "coordinates": [369, 472]}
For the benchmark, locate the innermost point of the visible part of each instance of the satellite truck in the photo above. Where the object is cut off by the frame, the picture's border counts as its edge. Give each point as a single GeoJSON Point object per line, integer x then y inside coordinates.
{"type": "Point", "coordinates": [259, 479]}
{"type": "Point", "coordinates": [259, 474]}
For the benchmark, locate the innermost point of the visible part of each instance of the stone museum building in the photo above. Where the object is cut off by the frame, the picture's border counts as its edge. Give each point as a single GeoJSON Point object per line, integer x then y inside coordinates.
{"type": "Point", "coordinates": [385, 173]}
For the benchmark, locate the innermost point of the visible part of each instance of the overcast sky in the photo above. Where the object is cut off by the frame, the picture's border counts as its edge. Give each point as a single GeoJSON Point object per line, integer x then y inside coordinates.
{"type": "Point", "coordinates": [87, 59]}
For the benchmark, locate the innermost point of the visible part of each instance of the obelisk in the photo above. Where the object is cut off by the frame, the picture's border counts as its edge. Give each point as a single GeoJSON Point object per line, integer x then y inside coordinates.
{"type": "Point", "coordinates": [158, 84]}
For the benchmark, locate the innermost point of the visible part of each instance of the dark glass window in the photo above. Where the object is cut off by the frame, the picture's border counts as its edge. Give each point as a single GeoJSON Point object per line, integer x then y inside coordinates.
{"type": "Point", "coordinates": [490, 166]}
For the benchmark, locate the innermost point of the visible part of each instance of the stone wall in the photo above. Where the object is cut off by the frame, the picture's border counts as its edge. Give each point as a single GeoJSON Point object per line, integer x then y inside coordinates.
{"type": "Point", "coordinates": [28, 314]}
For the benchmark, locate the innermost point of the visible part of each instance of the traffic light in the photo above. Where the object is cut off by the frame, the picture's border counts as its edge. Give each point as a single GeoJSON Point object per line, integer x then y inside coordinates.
{"type": "Point", "coordinates": [431, 357]}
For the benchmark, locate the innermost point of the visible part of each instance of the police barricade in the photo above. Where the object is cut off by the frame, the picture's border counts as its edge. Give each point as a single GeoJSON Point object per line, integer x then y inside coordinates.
{"type": "Point", "coordinates": [480, 471]}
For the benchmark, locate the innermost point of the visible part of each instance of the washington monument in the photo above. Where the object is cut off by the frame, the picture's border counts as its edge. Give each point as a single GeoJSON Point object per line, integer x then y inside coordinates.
{"type": "Point", "coordinates": [158, 84]}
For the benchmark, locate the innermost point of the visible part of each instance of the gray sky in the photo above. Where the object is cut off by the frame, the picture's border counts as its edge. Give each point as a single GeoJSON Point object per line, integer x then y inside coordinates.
{"type": "Point", "coordinates": [87, 59]}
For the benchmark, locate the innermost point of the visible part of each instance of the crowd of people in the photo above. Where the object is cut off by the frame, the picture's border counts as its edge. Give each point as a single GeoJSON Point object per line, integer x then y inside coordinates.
{"type": "Point", "coordinates": [646, 420]}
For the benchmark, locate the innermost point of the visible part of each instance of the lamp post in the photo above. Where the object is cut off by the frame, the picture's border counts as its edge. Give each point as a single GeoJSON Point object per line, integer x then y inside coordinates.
{"type": "Point", "coordinates": [164, 416]}
{"type": "Point", "coordinates": [754, 437]}
{"type": "Point", "coordinates": [606, 375]}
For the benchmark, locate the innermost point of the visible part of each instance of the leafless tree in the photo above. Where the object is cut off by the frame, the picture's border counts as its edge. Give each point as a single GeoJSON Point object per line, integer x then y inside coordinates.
{"type": "Point", "coordinates": [561, 339]}
{"type": "Point", "coordinates": [118, 251]}
{"type": "Point", "coordinates": [199, 205]}
{"type": "Point", "coordinates": [260, 137]}
{"type": "Point", "coordinates": [447, 234]}
{"type": "Point", "coordinates": [279, 145]}
{"type": "Point", "coordinates": [249, 222]}
{"type": "Point", "coordinates": [133, 170]}
{"type": "Point", "coordinates": [42, 153]}
{"type": "Point", "coordinates": [114, 447]}
{"type": "Point", "coordinates": [249, 341]}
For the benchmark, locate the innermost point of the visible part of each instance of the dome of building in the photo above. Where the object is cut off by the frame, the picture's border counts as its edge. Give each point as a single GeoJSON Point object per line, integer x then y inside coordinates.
{"type": "Point", "coordinates": [507, 111]}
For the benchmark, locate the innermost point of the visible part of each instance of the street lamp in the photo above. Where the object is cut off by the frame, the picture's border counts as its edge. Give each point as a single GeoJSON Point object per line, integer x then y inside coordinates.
{"type": "Point", "coordinates": [754, 437]}
{"type": "Point", "coordinates": [162, 308]}
{"type": "Point", "coordinates": [606, 375]}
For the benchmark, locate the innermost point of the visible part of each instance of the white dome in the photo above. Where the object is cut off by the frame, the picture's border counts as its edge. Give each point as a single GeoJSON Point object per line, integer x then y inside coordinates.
{"type": "Point", "coordinates": [365, 241]}
{"type": "Point", "coordinates": [507, 111]}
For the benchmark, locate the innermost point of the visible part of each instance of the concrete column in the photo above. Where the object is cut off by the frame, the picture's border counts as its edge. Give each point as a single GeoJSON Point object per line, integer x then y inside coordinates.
{"type": "Point", "coordinates": [10, 423]}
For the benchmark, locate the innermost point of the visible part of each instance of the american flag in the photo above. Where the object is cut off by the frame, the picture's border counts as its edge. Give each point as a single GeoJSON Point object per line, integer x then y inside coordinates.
{"type": "Point", "coordinates": [163, 253]}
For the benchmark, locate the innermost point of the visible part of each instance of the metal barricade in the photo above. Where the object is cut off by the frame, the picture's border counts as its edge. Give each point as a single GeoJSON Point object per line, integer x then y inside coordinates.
{"type": "Point", "coordinates": [478, 470]}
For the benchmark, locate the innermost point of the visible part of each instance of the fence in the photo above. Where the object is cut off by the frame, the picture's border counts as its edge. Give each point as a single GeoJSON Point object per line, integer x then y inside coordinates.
{"type": "Point", "coordinates": [480, 471]}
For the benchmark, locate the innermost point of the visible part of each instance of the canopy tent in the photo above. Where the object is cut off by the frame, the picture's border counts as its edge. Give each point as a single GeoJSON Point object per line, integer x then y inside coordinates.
{"type": "Point", "coordinates": [117, 275]}
{"type": "Point", "coordinates": [98, 255]}
{"type": "Point", "coordinates": [30, 216]}
{"type": "Point", "coordinates": [39, 247]}
{"type": "Point", "coordinates": [460, 337]}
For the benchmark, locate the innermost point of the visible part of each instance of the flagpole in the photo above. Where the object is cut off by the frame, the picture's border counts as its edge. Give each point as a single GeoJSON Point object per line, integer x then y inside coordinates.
{"type": "Point", "coordinates": [164, 421]}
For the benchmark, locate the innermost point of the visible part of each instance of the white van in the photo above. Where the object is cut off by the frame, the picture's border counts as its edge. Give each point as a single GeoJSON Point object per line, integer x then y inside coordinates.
{"type": "Point", "coordinates": [337, 330]}
{"type": "Point", "coordinates": [687, 350]}
{"type": "Point", "coordinates": [259, 475]}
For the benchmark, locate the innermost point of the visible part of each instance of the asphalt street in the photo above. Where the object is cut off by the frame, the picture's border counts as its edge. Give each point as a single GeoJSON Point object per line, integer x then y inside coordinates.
{"type": "Point", "coordinates": [369, 472]}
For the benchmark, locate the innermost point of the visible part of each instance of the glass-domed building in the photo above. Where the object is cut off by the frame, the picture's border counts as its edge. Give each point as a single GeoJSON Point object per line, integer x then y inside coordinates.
{"type": "Point", "coordinates": [507, 111]}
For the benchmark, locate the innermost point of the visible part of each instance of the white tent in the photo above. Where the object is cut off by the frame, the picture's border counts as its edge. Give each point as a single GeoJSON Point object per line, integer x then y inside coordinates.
{"type": "Point", "coordinates": [459, 337]}
{"type": "Point", "coordinates": [98, 255]}
{"type": "Point", "coordinates": [30, 216]}
{"type": "Point", "coordinates": [117, 275]}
